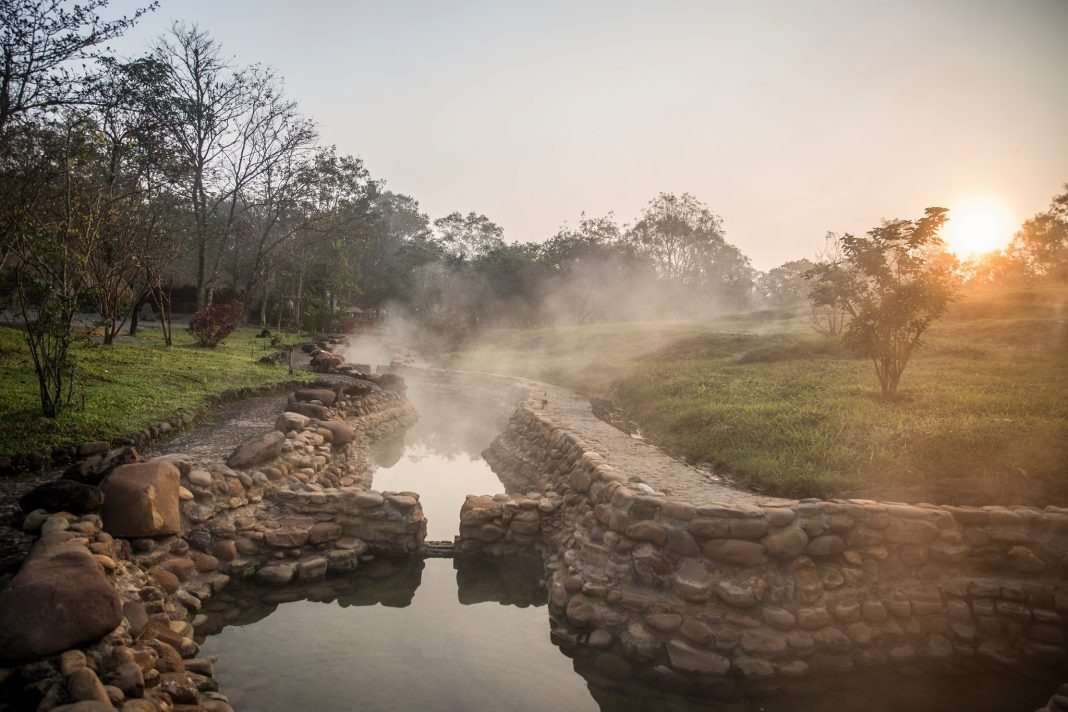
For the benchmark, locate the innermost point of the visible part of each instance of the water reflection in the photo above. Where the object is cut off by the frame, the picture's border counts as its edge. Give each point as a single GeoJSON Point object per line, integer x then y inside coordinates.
{"type": "Point", "coordinates": [453, 647]}
{"type": "Point", "coordinates": [440, 456]}
{"type": "Point", "coordinates": [474, 634]}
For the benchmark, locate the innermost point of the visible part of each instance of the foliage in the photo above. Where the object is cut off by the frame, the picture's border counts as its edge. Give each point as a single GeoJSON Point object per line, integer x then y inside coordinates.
{"type": "Point", "coordinates": [467, 236]}
{"type": "Point", "coordinates": [785, 285]}
{"type": "Point", "coordinates": [213, 324]}
{"type": "Point", "coordinates": [1042, 242]}
{"type": "Point", "coordinates": [774, 408]}
{"type": "Point", "coordinates": [893, 289]}
{"type": "Point", "coordinates": [42, 43]}
{"type": "Point", "coordinates": [686, 242]}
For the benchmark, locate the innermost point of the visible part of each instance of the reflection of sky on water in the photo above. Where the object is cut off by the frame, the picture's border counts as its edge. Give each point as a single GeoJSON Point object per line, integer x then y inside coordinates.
{"type": "Point", "coordinates": [440, 456]}
{"type": "Point", "coordinates": [442, 483]}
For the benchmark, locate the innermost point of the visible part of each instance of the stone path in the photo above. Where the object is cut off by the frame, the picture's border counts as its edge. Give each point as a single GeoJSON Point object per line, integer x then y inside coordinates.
{"type": "Point", "coordinates": [213, 439]}
{"type": "Point", "coordinates": [638, 458]}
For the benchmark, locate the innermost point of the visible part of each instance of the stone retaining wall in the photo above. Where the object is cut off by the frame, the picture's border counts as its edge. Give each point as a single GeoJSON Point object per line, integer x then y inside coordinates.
{"type": "Point", "coordinates": [102, 614]}
{"type": "Point", "coordinates": [663, 570]}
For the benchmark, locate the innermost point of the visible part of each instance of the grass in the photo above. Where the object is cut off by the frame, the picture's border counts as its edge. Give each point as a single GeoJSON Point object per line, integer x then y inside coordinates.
{"type": "Point", "coordinates": [124, 387]}
{"type": "Point", "coordinates": [982, 410]}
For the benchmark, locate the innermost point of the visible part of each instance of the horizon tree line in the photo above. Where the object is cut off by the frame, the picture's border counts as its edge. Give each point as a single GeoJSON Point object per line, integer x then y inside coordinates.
{"type": "Point", "coordinates": [179, 178]}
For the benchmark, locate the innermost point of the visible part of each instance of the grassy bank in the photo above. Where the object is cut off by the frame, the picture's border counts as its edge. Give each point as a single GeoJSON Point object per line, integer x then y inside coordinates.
{"type": "Point", "coordinates": [124, 387]}
{"type": "Point", "coordinates": [982, 412]}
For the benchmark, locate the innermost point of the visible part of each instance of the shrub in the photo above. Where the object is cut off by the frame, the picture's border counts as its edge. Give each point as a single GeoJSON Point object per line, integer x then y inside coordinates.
{"type": "Point", "coordinates": [211, 325]}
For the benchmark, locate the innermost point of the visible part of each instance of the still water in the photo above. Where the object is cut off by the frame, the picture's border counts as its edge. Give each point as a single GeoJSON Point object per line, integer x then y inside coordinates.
{"type": "Point", "coordinates": [474, 634]}
{"type": "Point", "coordinates": [408, 637]}
{"type": "Point", "coordinates": [440, 456]}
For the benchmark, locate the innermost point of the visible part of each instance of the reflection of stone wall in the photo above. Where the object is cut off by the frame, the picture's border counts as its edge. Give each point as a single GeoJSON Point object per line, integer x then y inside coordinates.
{"type": "Point", "coordinates": [666, 569]}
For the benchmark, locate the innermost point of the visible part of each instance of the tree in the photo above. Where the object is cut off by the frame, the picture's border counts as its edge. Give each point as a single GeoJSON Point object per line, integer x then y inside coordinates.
{"type": "Point", "coordinates": [48, 241]}
{"type": "Point", "coordinates": [464, 237]}
{"type": "Point", "coordinates": [1042, 242]}
{"type": "Point", "coordinates": [42, 42]}
{"type": "Point", "coordinates": [686, 242]}
{"type": "Point", "coordinates": [892, 288]}
{"type": "Point", "coordinates": [785, 285]}
{"type": "Point", "coordinates": [829, 315]}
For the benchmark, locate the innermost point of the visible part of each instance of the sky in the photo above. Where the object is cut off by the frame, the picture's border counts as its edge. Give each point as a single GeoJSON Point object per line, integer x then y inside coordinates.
{"type": "Point", "coordinates": [789, 119]}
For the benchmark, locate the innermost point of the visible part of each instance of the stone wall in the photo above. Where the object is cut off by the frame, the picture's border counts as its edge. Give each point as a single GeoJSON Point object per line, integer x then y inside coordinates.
{"type": "Point", "coordinates": [663, 569]}
{"type": "Point", "coordinates": [102, 613]}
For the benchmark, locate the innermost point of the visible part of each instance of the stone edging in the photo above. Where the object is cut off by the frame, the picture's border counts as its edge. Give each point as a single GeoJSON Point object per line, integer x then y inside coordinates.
{"type": "Point", "coordinates": [660, 573]}
{"type": "Point", "coordinates": [105, 607]}
{"type": "Point", "coordinates": [60, 455]}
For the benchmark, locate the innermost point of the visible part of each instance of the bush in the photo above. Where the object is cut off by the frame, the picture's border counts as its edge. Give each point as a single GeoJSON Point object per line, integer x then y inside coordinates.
{"type": "Point", "coordinates": [211, 325]}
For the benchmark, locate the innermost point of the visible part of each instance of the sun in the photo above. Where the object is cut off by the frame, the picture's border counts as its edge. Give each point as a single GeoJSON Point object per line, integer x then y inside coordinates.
{"type": "Point", "coordinates": [977, 226]}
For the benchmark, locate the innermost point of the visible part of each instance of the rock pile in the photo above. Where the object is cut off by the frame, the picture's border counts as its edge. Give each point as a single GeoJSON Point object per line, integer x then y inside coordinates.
{"type": "Point", "coordinates": [101, 615]}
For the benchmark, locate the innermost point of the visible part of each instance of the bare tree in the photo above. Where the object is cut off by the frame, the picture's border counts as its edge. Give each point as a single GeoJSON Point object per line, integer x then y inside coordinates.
{"type": "Point", "coordinates": [232, 127]}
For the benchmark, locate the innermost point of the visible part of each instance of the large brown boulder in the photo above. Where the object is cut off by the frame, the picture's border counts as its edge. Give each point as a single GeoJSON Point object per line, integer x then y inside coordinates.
{"type": "Point", "coordinates": [59, 599]}
{"type": "Point", "coordinates": [342, 432]}
{"type": "Point", "coordinates": [290, 421]}
{"type": "Point", "coordinates": [141, 500]}
{"type": "Point", "coordinates": [257, 450]}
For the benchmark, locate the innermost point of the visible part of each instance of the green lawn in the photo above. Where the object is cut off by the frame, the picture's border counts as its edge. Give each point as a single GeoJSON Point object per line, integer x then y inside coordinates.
{"type": "Point", "coordinates": [982, 411]}
{"type": "Point", "coordinates": [126, 386]}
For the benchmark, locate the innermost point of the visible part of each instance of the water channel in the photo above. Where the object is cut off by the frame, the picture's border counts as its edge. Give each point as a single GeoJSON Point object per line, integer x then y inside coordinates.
{"type": "Point", "coordinates": [474, 633]}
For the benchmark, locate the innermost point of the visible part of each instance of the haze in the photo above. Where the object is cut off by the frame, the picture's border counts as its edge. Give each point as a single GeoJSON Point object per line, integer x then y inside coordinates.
{"type": "Point", "coordinates": [788, 119]}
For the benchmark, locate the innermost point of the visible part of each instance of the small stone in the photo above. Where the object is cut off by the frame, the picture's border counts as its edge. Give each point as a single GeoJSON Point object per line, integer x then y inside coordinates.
{"type": "Point", "coordinates": [579, 611]}
{"type": "Point", "coordinates": [167, 580]}
{"type": "Point", "coordinates": [685, 656]}
{"type": "Point", "coordinates": [647, 531]}
{"type": "Point", "coordinates": [826, 545]}
{"type": "Point", "coordinates": [664, 622]}
{"type": "Point", "coordinates": [811, 618]}
{"type": "Point", "coordinates": [734, 551]}
{"type": "Point", "coordinates": [322, 532]}
{"type": "Point", "coordinates": [276, 573]}
{"type": "Point", "coordinates": [70, 661]}
{"type": "Point", "coordinates": [200, 478]}
{"type": "Point", "coordinates": [129, 678]}
{"type": "Point", "coordinates": [369, 500]}
{"type": "Point", "coordinates": [83, 684]}
{"type": "Point", "coordinates": [743, 591]}
{"type": "Point", "coordinates": [312, 568]}
{"type": "Point", "coordinates": [788, 543]}
{"type": "Point", "coordinates": [779, 618]}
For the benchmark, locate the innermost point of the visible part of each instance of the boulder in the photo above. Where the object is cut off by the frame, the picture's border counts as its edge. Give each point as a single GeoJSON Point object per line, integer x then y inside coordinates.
{"type": "Point", "coordinates": [141, 500]}
{"type": "Point", "coordinates": [63, 496]}
{"type": "Point", "coordinates": [341, 431]}
{"type": "Point", "coordinates": [59, 599]}
{"type": "Point", "coordinates": [257, 450]}
{"type": "Point", "coordinates": [290, 421]}
{"type": "Point", "coordinates": [323, 395]}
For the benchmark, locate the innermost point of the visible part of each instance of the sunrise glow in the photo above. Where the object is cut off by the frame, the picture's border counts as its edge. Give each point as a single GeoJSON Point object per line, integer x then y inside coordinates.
{"type": "Point", "coordinates": [978, 226]}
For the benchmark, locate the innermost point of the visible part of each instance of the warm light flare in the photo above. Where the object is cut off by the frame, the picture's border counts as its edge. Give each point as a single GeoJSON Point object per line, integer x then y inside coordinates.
{"type": "Point", "coordinates": [977, 226]}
